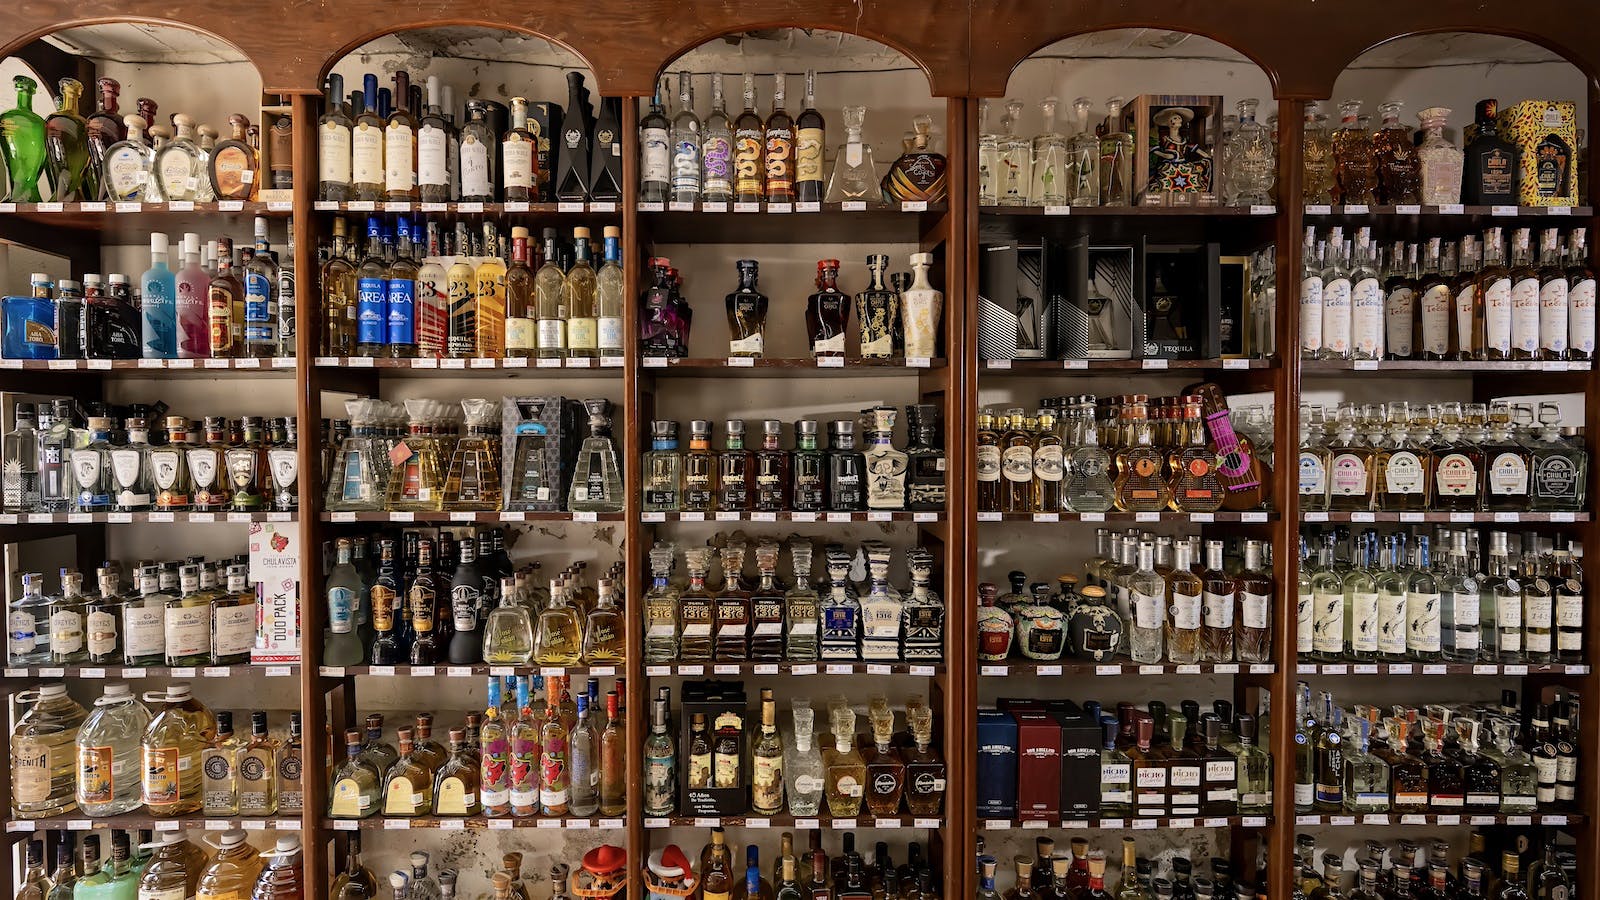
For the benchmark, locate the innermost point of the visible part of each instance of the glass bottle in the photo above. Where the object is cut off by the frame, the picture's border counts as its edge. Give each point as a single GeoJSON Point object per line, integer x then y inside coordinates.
{"type": "Point", "coordinates": [1558, 468]}
{"type": "Point", "coordinates": [608, 303]}
{"type": "Point", "coordinates": [178, 167]}
{"type": "Point", "coordinates": [578, 298]}
{"type": "Point", "coordinates": [663, 468]}
{"type": "Point", "coordinates": [1317, 180]}
{"type": "Point", "coordinates": [1015, 159]}
{"type": "Point", "coordinates": [827, 312]}
{"type": "Point", "coordinates": [1140, 483]}
{"type": "Point", "coordinates": [473, 479]}
{"type": "Point", "coordinates": [749, 140]}
{"type": "Point", "coordinates": [840, 612]}
{"type": "Point", "coordinates": [1056, 169]}
{"type": "Point", "coordinates": [877, 312]}
{"type": "Point", "coordinates": [716, 148]}
{"type": "Point", "coordinates": [107, 772]}
{"type": "Point", "coordinates": [597, 477]}
{"type": "Point", "coordinates": [779, 146]}
{"type": "Point", "coordinates": [1396, 157]}
{"type": "Point", "coordinates": [844, 772]}
{"type": "Point", "coordinates": [1252, 159]}
{"type": "Point", "coordinates": [174, 867]}
{"type": "Point", "coordinates": [43, 763]}
{"type": "Point", "coordinates": [771, 470]}
{"type": "Point", "coordinates": [22, 136]}
{"type": "Point", "coordinates": [846, 468]}
{"type": "Point", "coordinates": [1116, 158]}
{"type": "Point", "coordinates": [508, 632]}
{"type": "Point", "coordinates": [1355, 157]}
{"type": "Point", "coordinates": [1147, 598]}
{"type": "Point", "coordinates": [456, 786]}
{"type": "Point", "coordinates": [1196, 486]}
{"type": "Point", "coordinates": [125, 168]}
{"type": "Point", "coordinates": [1439, 161]}
{"type": "Point", "coordinates": [603, 630]}
{"type": "Point", "coordinates": [476, 155]}
{"type": "Point", "coordinates": [809, 485]}
{"type": "Point", "coordinates": [655, 149]}
{"type": "Point", "coordinates": [855, 175]}
{"type": "Point", "coordinates": [921, 308]}
{"type": "Point", "coordinates": [219, 763]}
{"type": "Point", "coordinates": [918, 175]}
{"type": "Point", "coordinates": [801, 607]}
{"type": "Point", "coordinates": [747, 313]}
{"type": "Point", "coordinates": [885, 466]}
{"type": "Point", "coordinates": [66, 145]}
{"type": "Point", "coordinates": [558, 634]}
{"type": "Point", "coordinates": [1185, 610]}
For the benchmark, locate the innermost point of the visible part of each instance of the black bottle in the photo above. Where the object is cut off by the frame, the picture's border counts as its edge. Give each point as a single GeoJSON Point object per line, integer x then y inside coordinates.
{"type": "Point", "coordinates": [1490, 168]}
{"type": "Point", "coordinates": [572, 160]}
{"type": "Point", "coordinates": [925, 487]}
{"type": "Point", "coordinates": [605, 161]}
{"type": "Point", "coordinates": [847, 490]}
{"type": "Point", "coordinates": [389, 646]}
{"type": "Point", "coordinates": [466, 601]}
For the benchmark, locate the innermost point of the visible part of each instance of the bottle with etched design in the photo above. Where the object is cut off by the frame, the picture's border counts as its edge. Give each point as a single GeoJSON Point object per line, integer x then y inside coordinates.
{"type": "Point", "coordinates": [801, 612]}
{"type": "Point", "coordinates": [1525, 305]}
{"type": "Point", "coordinates": [1558, 467]}
{"type": "Point", "coordinates": [1395, 155]}
{"type": "Point", "coordinates": [1141, 484]}
{"type": "Point", "coordinates": [1056, 175]}
{"type": "Point", "coordinates": [732, 607]}
{"type": "Point", "coordinates": [844, 772]}
{"type": "Point", "coordinates": [696, 608]}
{"type": "Point", "coordinates": [1317, 149]}
{"type": "Point", "coordinates": [1116, 158]}
{"type": "Point", "coordinates": [1350, 478]}
{"type": "Point", "coordinates": [1253, 620]}
{"type": "Point", "coordinates": [655, 154]}
{"type": "Point", "coordinates": [1580, 298]}
{"type": "Point", "coordinates": [747, 313]}
{"type": "Point", "coordinates": [1404, 463]}
{"type": "Point", "coordinates": [1507, 485]}
{"type": "Point", "coordinates": [1089, 486]}
{"type": "Point", "coordinates": [778, 147]}
{"type": "Point", "coordinates": [663, 469]}
{"type": "Point", "coordinates": [1220, 603]}
{"type": "Point", "coordinates": [1354, 156]}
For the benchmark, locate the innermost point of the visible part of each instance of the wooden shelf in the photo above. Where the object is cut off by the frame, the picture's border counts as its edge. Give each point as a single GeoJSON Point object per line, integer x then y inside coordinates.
{"type": "Point", "coordinates": [1441, 668]}
{"type": "Point", "coordinates": [144, 518]}
{"type": "Point", "coordinates": [1142, 823]}
{"type": "Point", "coordinates": [745, 367]}
{"type": "Point", "coordinates": [766, 223]}
{"type": "Point", "coordinates": [467, 518]}
{"type": "Point", "coordinates": [1459, 518]}
{"type": "Point", "coordinates": [1117, 669]}
{"type": "Point", "coordinates": [492, 823]}
{"type": "Point", "coordinates": [573, 209]}
{"type": "Point", "coordinates": [1196, 212]}
{"type": "Point", "coordinates": [928, 669]}
{"type": "Point", "coordinates": [478, 670]}
{"type": "Point", "coordinates": [124, 673]}
{"type": "Point", "coordinates": [1367, 820]}
{"type": "Point", "coordinates": [1035, 367]}
{"type": "Point", "coordinates": [1254, 517]}
{"type": "Point", "coordinates": [76, 821]}
{"type": "Point", "coordinates": [274, 367]}
{"type": "Point", "coordinates": [610, 367]}
{"type": "Point", "coordinates": [875, 515]}
{"type": "Point", "coordinates": [1572, 213]}
{"type": "Point", "coordinates": [797, 823]}
{"type": "Point", "coordinates": [1443, 367]}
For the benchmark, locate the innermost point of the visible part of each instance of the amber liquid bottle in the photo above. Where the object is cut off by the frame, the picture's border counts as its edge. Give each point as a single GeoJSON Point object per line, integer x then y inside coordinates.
{"type": "Point", "coordinates": [988, 464]}
{"type": "Point", "coordinates": [772, 464]}
{"type": "Point", "coordinates": [747, 313]}
{"type": "Point", "coordinates": [1016, 463]}
{"type": "Point", "coordinates": [827, 311]}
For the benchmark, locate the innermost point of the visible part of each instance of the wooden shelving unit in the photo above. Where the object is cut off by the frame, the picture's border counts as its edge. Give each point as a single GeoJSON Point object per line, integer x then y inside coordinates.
{"type": "Point", "coordinates": [966, 51]}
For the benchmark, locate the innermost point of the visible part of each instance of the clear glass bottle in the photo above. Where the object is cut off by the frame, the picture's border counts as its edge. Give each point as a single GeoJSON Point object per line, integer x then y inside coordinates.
{"type": "Point", "coordinates": [1055, 179]}
{"type": "Point", "coordinates": [1354, 157]}
{"type": "Point", "coordinates": [472, 481]}
{"type": "Point", "coordinates": [1185, 610]}
{"type": "Point", "coordinates": [1439, 161]}
{"type": "Point", "coordinates": [1116, 158]}
{"type": "Point", "coordinates": [716, 148]}
{"type": "Point", "coordinates": [177, 168]}
{"type": "Point", "coordinates": [844, 771]}
{"type": "Point", "coordinates": [603, 629]}
{"type": "Point", "coordinates": [356, 784]}
{"type": "Point", "coordinates": [840, 611]}
{"type": "Point", "coordinates": [1252, 159]}
{"type": "Point", "coordinates": [855, 176]}
{"type": "Point", "coordinates": [1147, 597]}
{"type": "Point", "coordinates": [1015, 158]}
{"type": "Point", "coordinates": [219, 766]}
{"type": "Point", "coordinates": [597, 477]}
{"type": "Point", "coordinates": [558, 634]}
{"type": "Point", "coordinates": [508, 632]}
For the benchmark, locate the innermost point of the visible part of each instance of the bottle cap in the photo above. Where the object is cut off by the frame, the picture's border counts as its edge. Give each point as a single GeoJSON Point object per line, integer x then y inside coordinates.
{"type": "Point", "coordinates": [158, 243]}
{"type": "Point", "coordinates": [805, 426]}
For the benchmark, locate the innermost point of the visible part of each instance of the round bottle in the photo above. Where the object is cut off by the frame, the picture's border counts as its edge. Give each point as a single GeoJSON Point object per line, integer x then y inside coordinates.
{"type": "Point", "coordinates": [42, 763]}
{"type": "Point", "coordinates": [108, 753]}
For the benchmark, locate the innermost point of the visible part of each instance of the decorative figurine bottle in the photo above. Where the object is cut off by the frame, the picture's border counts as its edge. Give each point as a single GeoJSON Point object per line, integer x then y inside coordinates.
{"type": "Point", "coordinates": [22, 142]}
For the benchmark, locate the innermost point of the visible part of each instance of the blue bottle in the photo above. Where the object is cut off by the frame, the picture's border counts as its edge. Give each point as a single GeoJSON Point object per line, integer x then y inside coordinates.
{"type": "Point", "coordinates": [401, 294]}
{"type": "Point", "coordinates": [30, 323]}
{"type": "Point", "coordinates": [159, 286]}
{"type": "Point", "coordinates": [372, 285]}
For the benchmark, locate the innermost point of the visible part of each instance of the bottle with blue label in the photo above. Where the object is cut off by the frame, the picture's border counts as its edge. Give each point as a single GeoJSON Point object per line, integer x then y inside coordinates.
{"type": "Point", "coordinates": [400, 294]}
{"type": "Point", "coordinates": [159, 286]}
{"type": "Point", "coordinates": [261, 298]}
{"type": "Point", "coordinates": [30, 322]}
{"type": "Point", "coordinates": [372, 289]}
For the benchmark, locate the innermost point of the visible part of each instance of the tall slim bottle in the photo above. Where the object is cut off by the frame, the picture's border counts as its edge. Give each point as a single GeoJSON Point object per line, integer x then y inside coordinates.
{"type": "Point", "coordinates": [192, 286]}
{"type": "Point", "coordinates": [159, 287]}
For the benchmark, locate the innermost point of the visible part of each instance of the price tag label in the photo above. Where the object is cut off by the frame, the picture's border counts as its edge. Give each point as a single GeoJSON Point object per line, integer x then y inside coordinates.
{"type": "Point", "coordinates": [1507, 518]}
{"type": "Point", "coordinates": [745, 208]}
{"type": "Point", "coordinates": [763, 517]}
{"type": "Point", "coordinates": [765, 669]}
{"type": "Point", "coordinates": [1407, 209]}
{"type": "Point", "coordinates": [1147, 517]}
{"type": "Point", "coordinates": [1153, 363]}
{"type": "Point", "coordinates": [879, 669]}
{"type": "Point", "coordinates": [1516, 669]}
{"type": "Point", "coordinates": [840, 668]}
{"type": "Point", "coordinates": [1226, 668]}
{"type": "Point", "coordinates": [396, 824]}
{"type": "Point", "coordinates": [1152, 670]}
{"type": "Point", "coordinates": [1180, 823]}
{"type": "Point", "coordinates": [988, 516]}
{"type": "Point", "coordinates": [1356, 209]}
{"type": "Point", "coordinates": [1058, 210]}
{"type": "Point", "coordinates": [1263, 210]}
{"type": "Point", "coordinates": [452, 824]}
{"type": "Point", "coordinates": [994, 671]}
{"type": "Point", "coordinates": [1036, 824]}
{"type": "Point", "coordinates": [988, 824]}
{"type": "Point", "coordinates": [757, 822]}
{"type": "Point", "coordinates": [343, 517]}
{"type": "Point", "coordinates": [1503, 210]}
{"type": "Point", "coordinates": [1451, 209]}
{"type": "Point", "coordinates": [657, 822]}
{"type": "Point", "coordinates": [879, 515]}
{"type": "Point", "coordinates": [695, 671]}
{"type": "Point", "coordinates": [1047, 517]}
{"type": "Point", "coordinates": [1149, 824]}
{"type": "Point", "coordinates": [913, 206]}
{"type": "Point", "coordinates": [780, 208]}
{"type": "Point", "coordinates": [741, 362]}
{"type": "Point", "coordinates": [1112, 669]}
{"type": "Point", "coordinates": [1187, 669]}
{"type": "Point", "coordinates": [1558, 211]}
{"type": "Point", "coordinates": [1202, 518]}
{"type": "Point", "coordinates": [48, 207]}
{"type": "Point", "coordinates": [650, 207]}
{"type": "Point", "coordinates": [1335, 669]}
{"type": "Point", "coordinates": [830, 362]}
{"type": "Point", "coordinates": [1048, 670]}
{"type": "Point", "coordinates": [853, 206]}
{"type": "Point", "coordinates": [1363, 517]}
{"type": "Point", "coordinates": [603, 206]}
{"type": "Point", "coordinates": [1091, 517]}
{"type": "Point", "coordinates": [839, 517]}
{"type": "Point", "coordinates": [725, 669]}
{"type": "Point", "coordinates": [809, 207]}
{"type": "Point", "coordinates": [803, 669]}
{"type": "Point", "coordinates": [125, 206]}
{"type": "Point", "coordinates": [1318, 209]}
{"type": "Point", "coordinates": [657, 671]}
{"type": "Point", "coordinates": [1365, 669]}
{"type": "Point", "coordinates": [922, 671]}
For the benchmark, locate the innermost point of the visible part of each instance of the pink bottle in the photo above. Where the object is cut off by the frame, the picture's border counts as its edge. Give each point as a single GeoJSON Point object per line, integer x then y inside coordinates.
{"type": "Point", "coordinates": [194, 332]}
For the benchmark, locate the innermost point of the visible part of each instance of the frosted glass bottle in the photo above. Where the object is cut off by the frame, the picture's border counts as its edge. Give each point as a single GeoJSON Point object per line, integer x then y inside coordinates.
{"type": "Point", "coordinates": [108, 753]}
{"type": "Point", "coordinates": [159, 312]}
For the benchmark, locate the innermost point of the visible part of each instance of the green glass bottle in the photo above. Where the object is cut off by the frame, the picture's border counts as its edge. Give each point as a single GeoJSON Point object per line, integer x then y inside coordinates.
{"type": "Point", "coordinates": [67, 148]}
{"type": "Point", "coordinates": [22, 140]}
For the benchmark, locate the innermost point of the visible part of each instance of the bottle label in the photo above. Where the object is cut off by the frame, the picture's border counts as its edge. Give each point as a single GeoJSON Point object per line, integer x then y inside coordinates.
{"type": "Point", "coordinates": [1456, 476]}
{"type": "Point", "coordinates": [1436, 320]}
{"type": "Point", "coordinates": [1392, 624]}
{"type": "Point", "coordinates": [366, 154]}
{"type": "Point", "coordinates": [1328, 623]}
{"type": "Point", "coordinates": [1047, 460]}
{"type": "Point", "coordinates": [1569, 607]}
{"type": "Point", "coordinates": [66, 632]}
{"type": "Point", "coordinates": [1364, 622]}
{"type": "Point", "coordinates": [1184, 776]}
{"type": "Point", "coordinates": [371, 312]}
{"type": "Point", "coordinates": [552, 334]}
{"type": "Point", "coordinates": [1186, 611]}
{"type": "Point", "coordinates": [203, 471]}
{"type": "Point", "coordinates": [152, 893]}
{"type": "Point", "coordinates": [754, 345]}
{"type": "Point", "coordinates": [333, 153]}
{"type": "Point", "coordinates": [1336, 315]}
{"type": "Point", "coordinates": [162, 781]}
{"type": "Point", "coordinates": [717, 154]}
{"type": "Point", "coordinates": [402, 799]}
{"type": "Point", "coordinates": [655, 156]}
{"type": "Point", "coordinates": [686, 165]}
{"type": "Point", "coordinates": [1525, 315]}
{"type": "Point", "coordinates": [1399, 311]}
{"type": "Point", "coordinates": [433, 167]}
{"type": "Point", "coordinates": [464, 600]}
{"type": "Point", "coordinates": [808, 155]}
{"type": "Point", "coordinates": [1017, 464]}
{"type": "Point", "coordinates": [1311, 313]}
{"type": "Point", "coordinates": [1403, 474]}
{"type": "Point", "coordinates": [1465, 615]}
{"type": "Point", "coordinates": [1508, 475]}
{"type": "Point", "coordinates": [257, 307]}
{"type": "Point", "coordinates": [350, 802]}
{"type": "Point", "coordinates": [33, 766]}
{"type": "Point", "coordinates": [1580, 317]}
{"type": "Point", "coordinates": [341, 610]}
{"type": "Point", "coordinates": [1255, 610]}
{"type": "Point", "coordinates": [285, 467]}
{"type": "Point", "coordinates": [516, 163]}
{"type": "Point", "coordinates": [1218, 610]}
{"type": "Point", "coordinates": [143, 630]}
{"type": "Point", "coordinates": [1497, 316]}
{"type": "Point", "coordinates": [1305, 626]}
{"type": "Point", "coordinates": [235, 631]}
{"type": "Point", "coordinates": [828, 346]}
{"type": "Point", "coordinates": [475, 168]}
{"type": "Point", "coordinates": [97, 774]}
{"type": "Point", "coordinates": [988, 463]}
{"type": "Point", "coordinates": [1366, 318]}
{"type": "Point", "coordinates": [102, 633]}
{"type": "Point", "coordinates": [1349, 475]}
{"type": "Point", "coordinates": [400, 296]}
{"type": "Point", "coordinates": [747, 172]}
{"type": "Point", "coordinates": [766, 786]}
{"type": "Point", "coordinates": [1552, 315]}
{"type": "Point", "coordinates": [1536, 611]}
{"type": "Point", "coordinates": [582, 333]}
{"type": "Point", "coordinates": [1313, 475]}
{"type": "Point", "coordinates": [188, 631]}
{"type": "Point", "coordinates": [609, 333]}
{"type": "Point", "coordinates": [1150, 777]}
{"type": "Point", "coordinates": [1148, 610]}
{"type": "Point", "coordinates": [399, 149]}
{"type": "Point", "coordinates": [1555, 477]}
{"type": "Point", "coordinates": [1422, 621]}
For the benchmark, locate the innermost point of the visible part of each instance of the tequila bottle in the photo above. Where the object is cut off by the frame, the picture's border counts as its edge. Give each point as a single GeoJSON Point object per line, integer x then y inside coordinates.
{"type": "Point", "coordinates": [1252, 159]}
{"type": "Point", "coordinates": [603, 634]}
{"type": "Point", "coordinates": [19, 477]}
{"type": "Point", "coordinates": [921, 307]}
{"type": "Point", "coordinates": [732, 607]}
{"type": "Point", "coordinates": [767, 764]}
{"type": "Point", "coordinates": [68, 636]}
{"type": "Point", "coordinates": [43, 763]}
{"type": "Point", "coordinates": [1056, 169]}
{"type": "Point", "coordinates": [767, 613]}
{"type": "Point", "coordinates": [988, 157]}
{"type": "Point", "coordinates": [778, 147]}
{"type": "Point", "coordinates": [846, 468]}
{"type": "Point", "coordinates": [1196, 487]}
{"type": "Point", "coordinates": [417, 480]}
{"type": "Point", "coordinates": [749, 139]}
{"type": "Point", "coordinates": [171, 748]}
{"type": "Point", "coordinates": [1558, 468]}
{"type": "Point", "coordinates": [877, 312]}
{"type": "Point", "coordinates": [922, 612]}
{"type": "Point", "coordinates": [1081, 174]}
{"type": "Point", "coordinates": [885, 466]}
{"type": "Point", "coordinates": [663, 469]}
{"type": "Point", "coordinates": [508, 632]}
{"type": "Point", "coordinates": [1147, 598]}
{"type": "Point", "coordinates": [1094, 628]}
{"type": "Point", "coordinates": [473, 479]}
{"type": "Point", "coordinates": [771, 472]}
{"type": "Point", "coordinates": [1088, 487]}
{"type": "Point", "coordinates": [91, 469]}
{"type": "Point", "coordinates": [476, 156]}
{"type": "Point", "coordinates": [1354, 157]}
{"type": "Point", "coordinates": [455, 788]}
{"type": "Point", "coordinates": [1015, 159]}
{"type": "Point", "coordinates": [828, 312]}
{"type": "Point", "coordinates": [1519, 775]}
{"type": "Point", "coordinates": [558, 635]}
{"type": "Point", "coordinates": [716, 149]}
{"type": "Point", "coordinates": [1140, 484]}
{"type": "Point", "coordinates": [855, 176]}
{"type": "Point", "coordinates": [597, 477]}
{"type": "Point", "coordinates": [125, 169]}
{"type": "Point", "coordinates": [881, 608]}
{"type": "Point", "coordinates": [66, 146]}
{"type": "Point", "coordinates": [800, 605]}
{"type": "Point", "coordinates": [661, 608]}
{"type": "Point", "coordinates": [696, 608]}
{"type": "Point", "coordinates": [844, 772]}
{"type": "Point", "coordinates": [1439, 161]}
{"type": "Point", "coordinates": [655, 149]}
{"type": "Point", "coordinates": [219, 763]}
{"type": "Point", "coordinates": [22, 137]}
{"type": "Point", "coordinates": [1116, 158]}
{"type": "Point", "coordinates": [341, 643]}
{"type": "Point", "coordinates": [107, 781]}
{"type": "Point", "coordinates": [177, 168]}
{"type": "Point", "coordinates": [747, 313]}
{"type": "Point", "coordinates": [1366, 776]}
{"type": "Point", "coordinates": [356, 480]}
{"type": "Point", "coordinates": [808, 466]}
{"type": "Point", "coordinates": [1395, 155]}
{"type": "Point", "coordinates": [840, 611]}
{"type": "Point", "coordinates": [661, 762]}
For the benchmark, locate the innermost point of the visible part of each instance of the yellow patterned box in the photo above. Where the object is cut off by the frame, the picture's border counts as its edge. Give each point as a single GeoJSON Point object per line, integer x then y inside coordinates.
{"type": "Point", "coordinates": [1545, 133]}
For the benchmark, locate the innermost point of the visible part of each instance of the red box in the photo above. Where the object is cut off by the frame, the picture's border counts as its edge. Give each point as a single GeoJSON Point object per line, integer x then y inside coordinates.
{"type": "Point", "coordinates": [1038, 766]}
